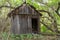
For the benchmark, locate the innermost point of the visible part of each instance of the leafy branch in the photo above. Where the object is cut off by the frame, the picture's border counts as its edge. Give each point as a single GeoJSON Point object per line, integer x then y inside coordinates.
{"type": "Point", "coordinates": [57, 11]}
{"type": "Point", "coordinates": [54, 21]}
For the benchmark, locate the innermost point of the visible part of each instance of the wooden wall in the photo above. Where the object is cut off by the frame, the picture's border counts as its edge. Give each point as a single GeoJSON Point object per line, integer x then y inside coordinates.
{"type": "Point", "coordinates": [22, 24]}
{"type": "Point", "coordinates": [15, 24]}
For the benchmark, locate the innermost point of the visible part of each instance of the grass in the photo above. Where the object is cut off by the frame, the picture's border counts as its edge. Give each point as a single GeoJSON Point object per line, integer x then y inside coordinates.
{"type": "Point", "coordinates": [6, 36]}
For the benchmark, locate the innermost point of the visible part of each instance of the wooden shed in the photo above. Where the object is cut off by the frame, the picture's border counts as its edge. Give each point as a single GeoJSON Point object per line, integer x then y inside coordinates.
{"type": "Point", "coordinates": [25, 19]}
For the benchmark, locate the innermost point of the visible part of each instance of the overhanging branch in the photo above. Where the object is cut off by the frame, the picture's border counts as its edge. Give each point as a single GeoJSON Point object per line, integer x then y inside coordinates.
{"type": "Point", "coordinates": [7, 7]}
{"type": "Point", "coordinates": [47, 26]}
{"type": "Point", "coordinates": [54, 20]}
{"type": "Point", "coordinates": [57, 11]}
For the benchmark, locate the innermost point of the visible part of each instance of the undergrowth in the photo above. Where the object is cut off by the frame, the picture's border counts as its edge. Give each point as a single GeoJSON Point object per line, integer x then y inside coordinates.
{"type": "Point", "coordinates": [8, 36]}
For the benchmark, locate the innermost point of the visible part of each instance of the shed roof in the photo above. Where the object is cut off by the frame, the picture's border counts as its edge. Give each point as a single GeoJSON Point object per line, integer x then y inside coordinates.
{"type": "Point", "coordinates": [17, 9]}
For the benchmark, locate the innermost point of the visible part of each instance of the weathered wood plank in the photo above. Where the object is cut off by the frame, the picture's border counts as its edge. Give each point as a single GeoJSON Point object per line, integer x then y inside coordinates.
{"type": "Point", "coordinates": [18, 25]}
{"type": "Point", "coordinates": [20, 22]}
{"type": "Point", "coordinates": [29, 25]}
{"type": "Point", "coordinates": [12, 25]}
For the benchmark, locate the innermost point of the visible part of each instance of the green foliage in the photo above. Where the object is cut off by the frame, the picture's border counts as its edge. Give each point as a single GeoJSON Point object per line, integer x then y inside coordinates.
{"type": "Point", "coordinates": [6, 36]}
{"type": "Point", "coordinates": [43, 28]}
{"type": "Point", "coordinates": [2, 2]}
{"type": "Point", "coordinates": [15, 3]}
{"type": "Point", "coordinates": [50, 6]}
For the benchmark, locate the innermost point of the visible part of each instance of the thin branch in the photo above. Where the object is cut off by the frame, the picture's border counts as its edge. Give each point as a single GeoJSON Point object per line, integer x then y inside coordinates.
{"type": "Point", "coordinates": [53, 8]}
{"type": "Point", "coordinates": [47, 26]}
{"type": "Point", "coordinates": [46, 12]}
{"type": "Point", "coordinates": [57, 11]}
{"type": "Point", "coordinates": [54, 23]}
{"type": "Point", "coordinates": [7, 7]}
{"type": "Point", "coordinates": [49, 34]}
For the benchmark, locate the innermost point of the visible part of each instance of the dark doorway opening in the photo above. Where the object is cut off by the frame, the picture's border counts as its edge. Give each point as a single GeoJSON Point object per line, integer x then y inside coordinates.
{"type": "Point", "coordinates": [34, 25]}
